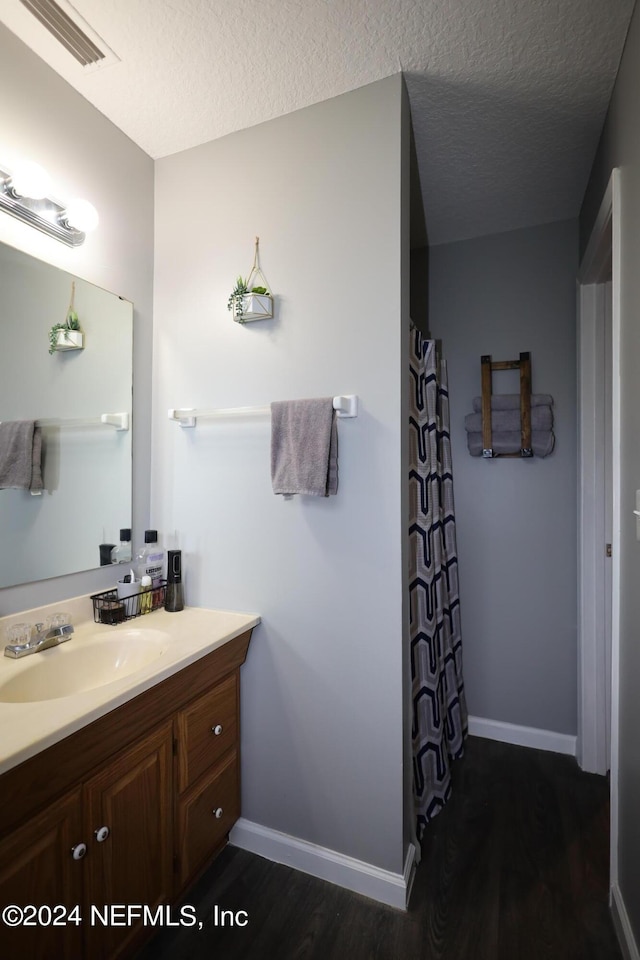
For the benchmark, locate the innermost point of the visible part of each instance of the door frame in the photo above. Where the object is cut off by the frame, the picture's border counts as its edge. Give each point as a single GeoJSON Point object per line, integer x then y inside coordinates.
{"type": "Point", "coordinates": [604, 242]}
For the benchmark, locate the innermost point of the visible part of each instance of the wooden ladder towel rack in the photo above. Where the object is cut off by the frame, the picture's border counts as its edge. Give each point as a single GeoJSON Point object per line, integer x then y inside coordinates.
{"type": "Point", "coordinates": [524, 366]}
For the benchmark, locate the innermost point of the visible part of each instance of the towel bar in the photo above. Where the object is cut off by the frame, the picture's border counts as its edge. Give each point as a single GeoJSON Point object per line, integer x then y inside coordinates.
{"type": "Point", "coordinates": [118, 420]}
{"type": "Point", "coordinates": [345, 406]}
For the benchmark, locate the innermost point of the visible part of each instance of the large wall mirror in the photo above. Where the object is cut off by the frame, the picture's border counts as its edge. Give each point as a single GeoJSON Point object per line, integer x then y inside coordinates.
{"type": "Point", "coordinates": [86, 463]}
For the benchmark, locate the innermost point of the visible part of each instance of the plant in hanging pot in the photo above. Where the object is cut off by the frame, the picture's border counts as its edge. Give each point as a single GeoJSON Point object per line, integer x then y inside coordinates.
{"type": "Point", "coordinates": [236, 301]}
{"type": "Point", "coordinates": [250, 300]}
{"type": "Point", "coordinates": [67, 335]}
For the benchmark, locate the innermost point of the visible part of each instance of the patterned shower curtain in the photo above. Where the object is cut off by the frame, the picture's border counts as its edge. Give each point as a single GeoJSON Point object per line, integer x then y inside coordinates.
{"type": "Point", "coordinates": [439, 712]}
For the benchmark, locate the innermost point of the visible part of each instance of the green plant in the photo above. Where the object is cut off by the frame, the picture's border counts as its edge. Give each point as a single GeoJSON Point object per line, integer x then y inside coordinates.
{"type": "Point", "coordinates": [71, 323]}
{"type": "Point", "coordinates": [236, 299]}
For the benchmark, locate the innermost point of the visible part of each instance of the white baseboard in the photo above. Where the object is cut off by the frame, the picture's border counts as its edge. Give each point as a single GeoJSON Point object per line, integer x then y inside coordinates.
{"type": "Point", "coordinates": [522, 736]}
{"type": "Point", "coordinates": [382, 885]}
{"type": "Point", "coordinates": [622, 925]}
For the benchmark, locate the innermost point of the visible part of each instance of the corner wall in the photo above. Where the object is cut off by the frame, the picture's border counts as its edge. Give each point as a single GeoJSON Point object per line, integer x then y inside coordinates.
{"type": "Point", "coordinates": [516, 520]}
{"type": "Point", "coordinates": [620, 147]}
{"type": "Point", "coordinates": [322, 710]}
{"type": "Point", "coordinates": [45, 120]}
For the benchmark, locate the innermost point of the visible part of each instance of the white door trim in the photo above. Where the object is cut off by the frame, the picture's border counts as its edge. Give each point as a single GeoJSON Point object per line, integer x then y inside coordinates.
{"type": "Point", "coordinates": [591, 746]}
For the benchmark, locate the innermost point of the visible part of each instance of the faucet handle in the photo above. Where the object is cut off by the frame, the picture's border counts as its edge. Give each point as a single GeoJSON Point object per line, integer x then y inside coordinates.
{"type": "Point", "coordinates": [57, 620]}
{"type": "Point", "coordinates": [19, 633]}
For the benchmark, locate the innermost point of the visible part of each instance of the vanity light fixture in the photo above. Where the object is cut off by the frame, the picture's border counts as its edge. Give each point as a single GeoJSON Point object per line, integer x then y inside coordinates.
{"type": "Point", "coordinates": [24, 194]}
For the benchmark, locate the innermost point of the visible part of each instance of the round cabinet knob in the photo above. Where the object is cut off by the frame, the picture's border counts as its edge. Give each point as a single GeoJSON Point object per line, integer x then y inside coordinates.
{"type": "Point", "coordinates": [101, 834]}
{"type": "Point", "coordinates": [217, 729]}
{"type": "Point", "coordinates": [217, 812]}
{"type": "Point", "coordinates": [78, 851]}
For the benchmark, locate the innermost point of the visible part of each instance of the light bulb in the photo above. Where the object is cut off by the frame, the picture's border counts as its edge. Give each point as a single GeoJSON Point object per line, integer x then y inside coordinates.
{"type": "Point", "coordinates": [31, 180]}
{"type": "Point", "coordinates": [82, 215]}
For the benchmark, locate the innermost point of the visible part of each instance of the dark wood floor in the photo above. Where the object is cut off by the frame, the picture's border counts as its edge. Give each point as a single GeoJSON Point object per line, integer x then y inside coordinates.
{"type": "Point", "coordinates": [514, 868]}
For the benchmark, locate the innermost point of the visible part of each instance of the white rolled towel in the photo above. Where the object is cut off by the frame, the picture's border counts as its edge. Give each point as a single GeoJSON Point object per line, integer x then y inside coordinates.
{"type": "Point", "coordinates": [507, 420]}
{"type": "Point", "coordinates": [511, 401]}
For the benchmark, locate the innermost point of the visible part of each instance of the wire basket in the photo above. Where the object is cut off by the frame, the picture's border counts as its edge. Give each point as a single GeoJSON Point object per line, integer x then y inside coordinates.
{"type": "Point", "coordinates": [109, 608]}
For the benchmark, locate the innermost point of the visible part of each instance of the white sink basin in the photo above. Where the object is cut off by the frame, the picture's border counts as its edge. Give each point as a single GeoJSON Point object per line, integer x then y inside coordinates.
{"type": "Point", "coordinates": [78, 665]}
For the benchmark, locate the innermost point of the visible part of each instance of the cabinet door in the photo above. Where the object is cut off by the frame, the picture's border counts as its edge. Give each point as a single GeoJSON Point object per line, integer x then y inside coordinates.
{"type": "Point", "coordinates": [128, 819]}
{"type": "Point", "coordinates": [37, 867]}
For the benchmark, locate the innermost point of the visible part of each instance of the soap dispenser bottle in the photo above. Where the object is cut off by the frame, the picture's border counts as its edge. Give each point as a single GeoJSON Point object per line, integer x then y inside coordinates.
{"type": "Point", "coordinates": [174, 597]}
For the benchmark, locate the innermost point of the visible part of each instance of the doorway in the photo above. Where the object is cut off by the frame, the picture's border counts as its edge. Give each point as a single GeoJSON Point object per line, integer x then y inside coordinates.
{"type": "Point", "coordinates": [599, 498]}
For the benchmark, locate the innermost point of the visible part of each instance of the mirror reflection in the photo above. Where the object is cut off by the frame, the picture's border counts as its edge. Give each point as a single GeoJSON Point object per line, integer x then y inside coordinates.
{"type": "Point", "coordinates": [86, 464]}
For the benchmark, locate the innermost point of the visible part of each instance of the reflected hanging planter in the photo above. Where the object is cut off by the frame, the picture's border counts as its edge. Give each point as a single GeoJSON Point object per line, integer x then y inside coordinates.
{"type": "Point", "coordinates": [251, 299]}
{"type": "Point", "coordinates": [67, 335]}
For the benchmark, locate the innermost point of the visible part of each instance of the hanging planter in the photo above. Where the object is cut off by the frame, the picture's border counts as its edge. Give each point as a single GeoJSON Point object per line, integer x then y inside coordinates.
{"type": "Point", "coordinates": [251, 298]}
{"type": "Point", "coordinates": [68, 339]}
{"type": "Point", "coordinates": [67, 335]}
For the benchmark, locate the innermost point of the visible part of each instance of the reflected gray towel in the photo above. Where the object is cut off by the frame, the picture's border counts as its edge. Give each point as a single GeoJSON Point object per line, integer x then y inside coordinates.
{"type": "Point", "coordinates": [541, 419]}
{"type": "Point", "coordinates": [511, 401]}
{"type": "Point", "coordinates": [542, 442]}
{"type": "Point", "coordinates": [20, 455]}
{"type": "Point", "coordinates": [304, 447]}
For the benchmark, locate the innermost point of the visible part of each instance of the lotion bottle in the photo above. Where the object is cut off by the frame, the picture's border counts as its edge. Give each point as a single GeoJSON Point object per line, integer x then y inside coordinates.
{"type": "Point", "coordinates": [145, 594]}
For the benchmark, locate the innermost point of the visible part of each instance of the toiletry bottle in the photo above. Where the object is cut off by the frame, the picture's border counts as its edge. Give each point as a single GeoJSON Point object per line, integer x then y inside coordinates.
{"type": "Point", "coordinates": [145, 594]}
{"type": "Point", "coordinates": [174, 598]}
{"type": "Point", "coordinates": [151, 558]}
{"type": "Point", "coordinates": [122, 553]}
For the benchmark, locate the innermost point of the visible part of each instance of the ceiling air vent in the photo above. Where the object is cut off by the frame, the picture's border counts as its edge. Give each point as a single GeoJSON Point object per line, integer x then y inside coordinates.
{"type": "Point", "coordinates": [66, 32]}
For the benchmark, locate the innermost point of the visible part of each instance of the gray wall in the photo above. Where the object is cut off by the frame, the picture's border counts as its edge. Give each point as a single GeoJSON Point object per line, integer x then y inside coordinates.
{"type": "Point", "coordinates": [501, 295]}
{"type": "Point", "coordinates": [44, 119]}
{"type": "Point", "coordinates": [322, 734]}
{"type": "Point", "coordinates": [620, 146]}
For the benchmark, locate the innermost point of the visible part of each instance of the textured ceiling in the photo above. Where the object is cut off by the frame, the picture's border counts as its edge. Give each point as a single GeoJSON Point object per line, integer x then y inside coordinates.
{"type": "Point", "coordinates": [507, 96]}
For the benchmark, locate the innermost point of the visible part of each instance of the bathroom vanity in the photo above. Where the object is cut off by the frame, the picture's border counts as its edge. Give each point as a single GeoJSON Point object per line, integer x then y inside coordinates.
{"type": "Point", "coordinates": [117, 797]}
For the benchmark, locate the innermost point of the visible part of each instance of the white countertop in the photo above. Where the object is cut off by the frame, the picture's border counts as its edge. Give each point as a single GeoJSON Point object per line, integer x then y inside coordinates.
{"type": "Point", "coordinates": [28, 728]}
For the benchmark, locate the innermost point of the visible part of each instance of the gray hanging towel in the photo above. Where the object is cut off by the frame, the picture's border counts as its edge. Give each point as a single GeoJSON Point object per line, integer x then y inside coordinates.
{"type": "Point", "coordinates": [20, 455]}
{"type": "Point", "coordinates": [304, 447]}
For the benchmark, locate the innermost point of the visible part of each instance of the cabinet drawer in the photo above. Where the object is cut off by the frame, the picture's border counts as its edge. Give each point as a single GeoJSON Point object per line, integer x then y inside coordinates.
{"type": "Point", "coordinates": [206, 815]}
{"type": "Point", "coordinates": [207, 728]}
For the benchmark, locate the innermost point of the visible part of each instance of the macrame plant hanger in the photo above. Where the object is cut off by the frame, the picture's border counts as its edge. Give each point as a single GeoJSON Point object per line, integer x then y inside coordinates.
{"type": "Point", "coordinates": [256, 272]}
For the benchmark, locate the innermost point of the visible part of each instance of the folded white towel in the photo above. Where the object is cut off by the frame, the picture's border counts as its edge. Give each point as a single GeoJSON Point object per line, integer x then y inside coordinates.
{"type": "Point", "coordinates": [20, 455]}
{"type": "Point", "coordinates": [304, 447]}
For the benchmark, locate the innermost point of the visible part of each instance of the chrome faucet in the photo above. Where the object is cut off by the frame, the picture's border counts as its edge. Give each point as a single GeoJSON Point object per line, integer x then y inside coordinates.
{"type": "Point", "coordinates": [42, 639]}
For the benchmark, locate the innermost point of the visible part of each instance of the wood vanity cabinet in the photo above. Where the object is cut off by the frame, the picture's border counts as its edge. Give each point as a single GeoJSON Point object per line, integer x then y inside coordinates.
{"type": "Point", "coordinates": [151, 789]}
